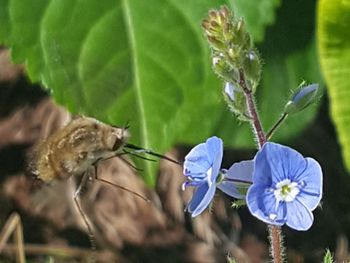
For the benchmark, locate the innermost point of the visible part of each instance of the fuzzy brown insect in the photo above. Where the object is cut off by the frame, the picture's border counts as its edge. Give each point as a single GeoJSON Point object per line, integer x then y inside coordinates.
{"type": "Point", "coordinates": [76, 149]}
{"type": "Point", "coordinates": [78, 146]}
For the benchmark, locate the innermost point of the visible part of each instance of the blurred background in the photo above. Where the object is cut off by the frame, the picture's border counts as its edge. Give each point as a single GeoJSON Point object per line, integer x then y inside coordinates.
{"type": "Point", "coordinates": [147, 63]}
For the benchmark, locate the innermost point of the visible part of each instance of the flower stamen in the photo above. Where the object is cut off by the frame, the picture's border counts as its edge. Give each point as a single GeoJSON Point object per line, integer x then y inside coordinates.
{"type": "Point", "coordinates": [286, 190]}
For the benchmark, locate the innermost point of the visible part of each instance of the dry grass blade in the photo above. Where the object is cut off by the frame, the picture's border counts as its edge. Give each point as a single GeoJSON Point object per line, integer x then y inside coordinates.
{"type": "Point", "coordinates": [13, 225]}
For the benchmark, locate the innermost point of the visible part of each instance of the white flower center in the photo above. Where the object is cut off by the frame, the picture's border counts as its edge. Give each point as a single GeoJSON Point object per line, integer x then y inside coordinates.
{"type": "Point", "coordinates": [286, 190]}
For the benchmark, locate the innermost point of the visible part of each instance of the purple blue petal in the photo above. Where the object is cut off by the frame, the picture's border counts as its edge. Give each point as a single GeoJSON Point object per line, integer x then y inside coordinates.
{"type": "Point", "coordinates": [262, 204]}
{"type": "Point", "coordinates": [299, 217]}
{"type": "Point", "coordinates": [235, 177]}
{"type": "Point", "coordinates": [311, 178]}
{"type": "Point", "coordinates": [201, 199]}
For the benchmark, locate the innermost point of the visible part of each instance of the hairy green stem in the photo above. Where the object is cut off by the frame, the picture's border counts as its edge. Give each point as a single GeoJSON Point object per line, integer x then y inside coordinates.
{"type": "Point", "coordinates": [254, 116]}
{"type": "Point", "coordinates": [276, 243]}
{"type": "Point", "coordinates": [275, 235]}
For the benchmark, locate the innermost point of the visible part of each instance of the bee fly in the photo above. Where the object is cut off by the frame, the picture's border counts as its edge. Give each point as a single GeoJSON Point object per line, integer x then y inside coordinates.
{"type": "Point", "coordinates": [78, 147]}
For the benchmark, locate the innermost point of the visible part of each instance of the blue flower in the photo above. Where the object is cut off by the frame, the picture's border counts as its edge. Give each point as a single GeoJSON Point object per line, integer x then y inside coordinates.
{"type": "Point", "coordinates": [286, 187]}
{"type": "Point", "coordinates": [202, 169]}
{"type": "Point", "coordinates": [202, 166]}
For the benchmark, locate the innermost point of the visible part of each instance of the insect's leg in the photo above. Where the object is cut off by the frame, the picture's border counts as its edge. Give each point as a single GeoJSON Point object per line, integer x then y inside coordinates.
{"type": "Point", "coordinates": [118, 186]}
{"type": "Point", "coordinates": [13, 225]}
{"type": "Point", "coordinates": [129, 163]}
{"type": "Point", "coordinates": [117, 154]}
{"type": "Point", "coordinates": [86, 221]}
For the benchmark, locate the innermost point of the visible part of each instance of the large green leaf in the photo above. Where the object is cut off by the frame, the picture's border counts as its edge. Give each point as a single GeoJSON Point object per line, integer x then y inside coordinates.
{"type": "Point", "coordinates": [334, 51]}
{"type": "Point", "coordinates": [145, 62]}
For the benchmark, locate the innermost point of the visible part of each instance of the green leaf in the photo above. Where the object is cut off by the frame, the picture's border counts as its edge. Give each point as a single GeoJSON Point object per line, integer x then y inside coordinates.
{"type": "Point", "coordinates": [145, 62]}
{"type": "Point", "coordinates": [119, 60]}
{"type": "Point", "coordinates": [334, 51]}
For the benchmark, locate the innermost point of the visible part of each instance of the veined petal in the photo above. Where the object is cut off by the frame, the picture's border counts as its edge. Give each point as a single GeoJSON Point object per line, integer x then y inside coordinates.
{"type": "Point", "coordinates": [299, 217]}
{"type": "Point", "coordinates": [230, 188]}
{"type": "Point", "coordinates": [263, 205]}
{"type": "Point", "coordinates": [201, 199]}
{"type": "Point", "coordinates": [215, 152]}
{"type": "Point", "coordinates": [311, 181]}
{"type": "Point", "coordinates": [262, 172]}
{"type": "Point", "coordinates": [284, 162]}
{"type": "Point", "coordinates": [192, 169]}
{"type": "Point", "coordinates": [196, 161]}
{"type": "Point", "coordinates": [242, 171]}
{"type": "Point", "coordinates": [238, 176]}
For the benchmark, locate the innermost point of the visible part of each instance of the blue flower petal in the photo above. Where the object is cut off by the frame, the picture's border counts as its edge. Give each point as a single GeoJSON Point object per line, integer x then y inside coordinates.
{"type": "Point", "coordinates": [196, 161]}
{"type": "Point", "coordinates": [262, 204]}
{"type": "Point", "coordinates": [299, 217]}
{"type": "Point", "coordinates": [311, 179]}
{"type": "Point", "coordinates": [281, 162]}
{"type": "Point", "coordinates": [262, 171]}
{"type": "Point", "coordinates": [201, 199]}
{"type": "Point", "coordinates": [191, 183]}
{"type": "Point", "coordinates": [215, 152]}
{"type": "Point", "coordinates": [230, 188]}
{"type": "Point", "coordinates": [242, 171]}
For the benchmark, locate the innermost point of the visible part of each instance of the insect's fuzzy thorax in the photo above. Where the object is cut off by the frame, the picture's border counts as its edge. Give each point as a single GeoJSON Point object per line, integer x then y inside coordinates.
{"type": "Point", "coordinates": [73, 149]}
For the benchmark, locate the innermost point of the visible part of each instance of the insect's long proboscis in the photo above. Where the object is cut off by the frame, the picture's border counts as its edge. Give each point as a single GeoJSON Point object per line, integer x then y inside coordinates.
{"type": "Point", "coordinates": [150, 152]}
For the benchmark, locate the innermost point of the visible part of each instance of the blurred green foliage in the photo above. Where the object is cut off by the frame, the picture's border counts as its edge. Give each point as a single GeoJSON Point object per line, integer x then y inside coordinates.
{"type": "Point", "coordinates": [147, 62]}
{"type": "Point", "coordinates": [334, 51]}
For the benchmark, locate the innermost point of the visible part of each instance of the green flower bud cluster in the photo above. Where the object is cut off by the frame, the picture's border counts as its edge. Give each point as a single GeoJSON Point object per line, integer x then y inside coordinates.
{"type": "Point", "coordinates": [235, 59]}
{"type": "Point", "coordinates": [232, 48]}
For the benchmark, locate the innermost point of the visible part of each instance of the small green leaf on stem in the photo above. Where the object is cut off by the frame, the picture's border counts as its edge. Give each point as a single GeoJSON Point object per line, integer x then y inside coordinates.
{"type": "Point", "coordinates": [238, 203]}
{"type": "Point", "coordinates": [328, 258]}
{"type": "Point", "coordinates": [230, 259]}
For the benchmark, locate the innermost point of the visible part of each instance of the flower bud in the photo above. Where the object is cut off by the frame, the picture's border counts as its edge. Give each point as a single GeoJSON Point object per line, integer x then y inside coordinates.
{"type": "Point", "coordinates": [230, 91]}
{"type": "Point", "coordinates": [215, 43]}
{"type": "Point", "coordinates": [242, 37]}
{"type": "Point", "coordinates": [233, 57]}
{"type": "Point", "coordinates": [252, 68]}
{"type": "Point", "coordinates": [224, 70]}
{"type": "Point", "coordinates": [302, 98]}
{"type": "Point", "coordinates": [235, 99]}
